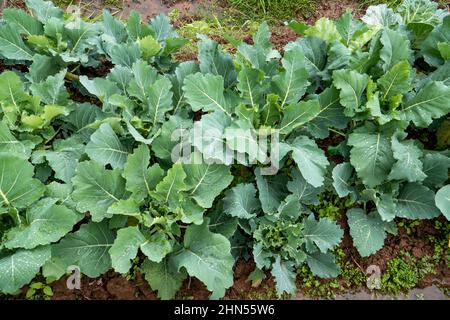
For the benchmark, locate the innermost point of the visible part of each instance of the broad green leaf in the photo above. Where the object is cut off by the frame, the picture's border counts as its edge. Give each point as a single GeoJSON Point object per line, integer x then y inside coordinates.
{"type": "Point", "coordinates": [43, 10]}
{"type": "Point", "coordinates": [430, 49]}
{"type": "Point", "coordinates": [41, 68]}
{"type": "Point", "coordinates": [63, 193]}
{"type": "Point", "coordinates": [205, 181]}
{"type": "Point", "coordinates": [260, 54]}
{"type": "Point", "coordinates": [352, 85]}
{"type": "Point", "coordinates": [162, 27]}
{"type": "Point", "coordinates": [396, 47]}
{"type": "Point", "coordinates": [159, 100]}
{"type": "Point", "coordinates": [436, 167]}
{"type": "Point", "coordinates": [82, 116]}
{"type": "Point", "coordinates": [305, 192]}
{"type": "Point", "coordinates": [248, 145]}
{"type": "Point", "coordinates": [52, 90]}
{"type": "Point", "coordinates": [12, 45]}
{"type": "Point", "coordinates": [323, 265]}
{"type": "Point", "coordinates": [222, 223]}
{"type": "Point", "coordinates": [125, 54]}
{"type": "Point", "coordinates": [291, 83]}
{"type": "Point", "coordinates": [149, 46]}
{"type": "Point", "coordinates": [144, 76]}
{"type": "Point", "coordinates": [80, 36]}
{"type": "Point", "coordinates": [442, 200]}
{"type": "Point", "coordinates": [181, 72]}
{"type": "Point", "coordinates": [241, 202]}
{"type": "Point", "coordinates": [18, 188]}
{"type": "Point", "coordinates": [297, 114]}
{"type": "Point", "coordinates": [386, 206]}
{"type": "Point", "coordinates": [290, 208]}
{"type": "Point", "coordinates": [128, 207]}
{"type": "Point", "coordinates": [324, 29]}
{"type": "Point", "coordinates": [330, 114]}
{"type": "Point", "coordinates": [315, 50]}
{"type": "Point", "coordinates": [367, 231]}
{"type": "Point", "coordinates": [431, 102]}
{"type": "Point", "coordinates": [381, 16]}
{"type": "Point", "coordinates": [125, 248]}
{"type": "Point", "coordinates": [27, 25]}
{"type": "Point", "coordinates": [325, 233]}
{"type": "Point", "coordinates": [418, 11]}
{"type": "Point", "coordinates": [121, 76]}
{"type": "Point", "coordinates": [170, 190]}
{"type": "Point", "coordinates": [371, 156]}
{"type": "Point", "coordinates": [63, 159]}
{"type": "Point", "coordinates": [19, 268]}
{"type": "Point", "coordinates": [310, 159]}
{"type": "Point", "coordinates": [347, 27]}
{"type": "Point", "coordinates": [284, 277]}
{"type": "Point", "coordinates": [416, 201]}
{"type": "Point", "coordinates": [106, 148]}
{"type": "Point", "coordinates": [96, 188]}
{"type": "Point", "coordinates": [140, 177]}
{"type": "Point", "coordinates": [9, 145]}
{"type": "Point", "coordinates": [46, 222]}
{"type": "Point", "coordinates": [342, 173]}
{"type": "Point", "coordinates": [102, 88]}
{"type": "Point", "coordinates": [12, 93]}
{"type": "Point", "coordinates": [87, 248]}
{"type": "Point", "coordinates": [173, 137]}
{"type": "Point", "coordinates": [156, 247]}
{"type": "Point", "coordinates": [214, 61]}
{"type": "Point", "coordinates": [251, 86]}
{"type": "Point", "coordinates": [53, 269]}
{"type": "Point", "coordinates": [396, 81]}
{"type": "Point", "coordinates": [163, 277]}
{"type": "Point", "coordinates": [113, 27]}
{"type": "Point", "coordinates": [408, 166]}
{"type": "Point", "coordinates": [135, 28]}
{"type": "Point", "coordinates": [207, 256]}
{"type": "Point", "coordinates": [271, 190]}
{"type": "Point", "coordinates": [208, 136]}
{"type": "Point", "coordinates": [205, 92]}
{"type": "Point", "coordinates": [444, 49]}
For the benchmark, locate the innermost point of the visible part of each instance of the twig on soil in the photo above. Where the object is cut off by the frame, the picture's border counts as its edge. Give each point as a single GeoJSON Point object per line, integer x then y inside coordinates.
{"type": "Point", "coordinates": [357, 263]}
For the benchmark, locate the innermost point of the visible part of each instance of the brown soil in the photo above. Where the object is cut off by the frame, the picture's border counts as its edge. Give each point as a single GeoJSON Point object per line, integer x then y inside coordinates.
{"type": "Point", "coordinates": [334, 9]}
{"type": "Point", "coordinates": [150, 8]}
{"type": "Point", "coordinates": [333, 140]}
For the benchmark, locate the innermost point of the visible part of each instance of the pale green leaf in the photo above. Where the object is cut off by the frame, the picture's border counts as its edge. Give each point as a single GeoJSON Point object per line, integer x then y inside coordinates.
{"type": "Point", "coordinates": [442, 200]}
{"type": "Point", "coordinates": [96, 188]}
{"type": "Point", "coordinates": [106, 148]}
{"type": "Point", "coordinates": [241, 202]}
{"type": "Point", "coordinates": [87, 248]}
{"type": "Point", "coordinates": [19, 268]}
{"type": "Point", "coordinates": [207, 256]}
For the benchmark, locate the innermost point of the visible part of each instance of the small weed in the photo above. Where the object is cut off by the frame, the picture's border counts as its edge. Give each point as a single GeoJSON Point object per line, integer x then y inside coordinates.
{"type": "Point", "coordinates": [219, 30]}
{"type": "Point", "coordinates": [331, 206]}
{"type": "Point", "coordinates": [441, 243]}
{"type": "Point", "coordinates": [354, 277]}
{"type": "Point", "coordinates": [273, 10]}
{"type": "Point", "coordinates": [404, 272]}
{"type": "Point", "coordinates": [39, 291]}
{"type": "Point", "coordinates": [390, 3]}
{"type": "Point", "coordinates": [408, 225]}
{"type": "Point", "coordinates": [265, 292]}
{"type": "Point", "coordinates": [314, 286]}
